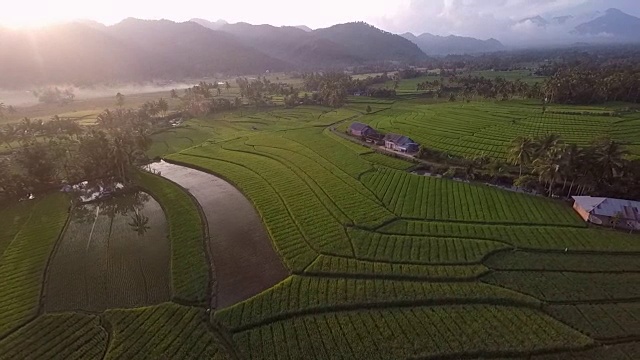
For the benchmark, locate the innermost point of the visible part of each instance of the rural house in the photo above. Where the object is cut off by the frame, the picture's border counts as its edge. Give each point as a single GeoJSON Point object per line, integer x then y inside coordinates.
{"type": "Point", "coordinates": [367, 132]}
{"type": "Point", "coordinates": [360, 129]}
{"type": "Point", "coordinates": [601, 211]}
{"type": "Point", "coordinates": [400, 143]}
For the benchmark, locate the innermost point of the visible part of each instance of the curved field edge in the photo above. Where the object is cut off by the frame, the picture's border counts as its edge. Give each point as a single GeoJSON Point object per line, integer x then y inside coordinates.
{"type": "Point", "coordinates": [300, 295]}
{"type": "Point", "coordinates": [422, 332]}
{"type": "Point", "coordinates": [57, 336]}
{"type": "Point", "coordinates": [190, 272]}
{"type": "Point", "coordinates": [285, 234]}
{"type": "Point", "coordinates": [535, 237]}
{"type": "Point", "coordinates": [24, 262]}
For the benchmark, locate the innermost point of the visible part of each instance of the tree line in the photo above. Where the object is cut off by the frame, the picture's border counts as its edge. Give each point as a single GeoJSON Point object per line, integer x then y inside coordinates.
{"type": "Point", "coordinates": [565, 169]}
{"type": "Point", "coordinates": [45, 155]}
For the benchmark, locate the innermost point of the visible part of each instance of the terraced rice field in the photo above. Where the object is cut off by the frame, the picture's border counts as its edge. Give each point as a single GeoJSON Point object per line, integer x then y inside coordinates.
{"type": "Point", "coordinates": [468, 129]}
{"type": "Point", "coordinates": [382, 264]}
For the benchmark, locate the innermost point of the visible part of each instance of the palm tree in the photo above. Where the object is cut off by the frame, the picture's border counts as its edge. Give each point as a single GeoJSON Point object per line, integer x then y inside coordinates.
{"type": "Point", "coordinates": [3, 108]}
{"type": "Point", "coordinates": [521, 151]}
{"type": "Point", "coordinates": [546, 143]}
{"type": "Point", "coordinates": [227, 85]}
{"type": "Point", "coordinates": [609, 157]}
{"type": "Point", "coordinates": [572, 158]}
{"type": "Point", "coordinates": [548, 168]}
{"type": "Point", "coordinates": [163, 106]}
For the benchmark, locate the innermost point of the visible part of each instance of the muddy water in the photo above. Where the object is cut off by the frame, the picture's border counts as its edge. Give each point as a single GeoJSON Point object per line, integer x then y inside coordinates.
{"type": "Point", "coordinates": [114, 254]}
{"type": "Point", "coordinates": [244, 258]}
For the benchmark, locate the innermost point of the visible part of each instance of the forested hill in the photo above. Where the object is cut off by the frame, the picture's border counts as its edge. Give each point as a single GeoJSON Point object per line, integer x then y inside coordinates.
{"type": "Point", "coordinates": [135, 50]}
{"type": "Point", "coordinates": [345, 44]}
{"type": "Point", "coordinates": [301, 48]}
{"type": "Point", "coordinates": [372, 43]}
{"type": "Point", "coordinates": [129, 51]}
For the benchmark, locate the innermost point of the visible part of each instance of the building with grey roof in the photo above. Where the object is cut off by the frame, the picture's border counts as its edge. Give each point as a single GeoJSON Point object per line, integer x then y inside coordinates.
{"type": "Point", "coordinates": [620, 213]}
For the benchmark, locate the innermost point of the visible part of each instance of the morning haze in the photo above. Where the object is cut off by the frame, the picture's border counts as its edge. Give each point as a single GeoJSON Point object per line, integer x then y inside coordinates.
{"type": "Point", "coordinates": [367, 180]}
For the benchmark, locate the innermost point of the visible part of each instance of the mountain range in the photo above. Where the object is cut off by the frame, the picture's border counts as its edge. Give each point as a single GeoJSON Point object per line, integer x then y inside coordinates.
{"type": "Point", "coordinates": [86, 52]}
{"type": "Point", "coordinates": [613, 24]}
{"type": "Point", "coordinates": [610, 26]}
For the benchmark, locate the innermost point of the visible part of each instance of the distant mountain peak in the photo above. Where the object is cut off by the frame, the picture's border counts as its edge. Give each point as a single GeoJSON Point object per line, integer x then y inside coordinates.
{"type": "Point", "coordinates": [614, 11]}
{"type": "Point", "coordinates": [304, 27]}
{"type": "Point", "coordinates": [213, 25]}
{"type": "Point", "coordinates": [614, 24]}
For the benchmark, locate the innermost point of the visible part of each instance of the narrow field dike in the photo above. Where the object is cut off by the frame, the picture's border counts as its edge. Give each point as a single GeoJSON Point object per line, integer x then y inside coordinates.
{"type": "Point", "coordinates": [245, 261]}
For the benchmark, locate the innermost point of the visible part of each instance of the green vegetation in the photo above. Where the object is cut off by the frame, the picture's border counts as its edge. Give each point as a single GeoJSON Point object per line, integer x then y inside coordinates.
{"type": "Point", "coordinates": [23, 262]}
{"type": "Point", "coordinates": [57, 336]}
{"type": "Point", "coordinates": [384, 263]}
{"type": "Point", "coordinates": [522, 260]}
{"type": "Point", "coordinates": [601, 321]}
{"type": "Point", "coordinates": [299, 295]}
{"type": "Point", "coordinates": [166, 331]}
{"type": "Point", "coordinates": [487, 128]}
{"type": "Point", "coordinates": [416, 332]}
{"type": "Point", "coordinates": [569, 286]}
{"type": "Point", "coordinates": [421, 197]}
{"type": "Point", "coordinates": [421, 249]}
{"type": "Point", "coordinates": [189, 268]}
{"type": "Point", "coordinates": [523, 236]}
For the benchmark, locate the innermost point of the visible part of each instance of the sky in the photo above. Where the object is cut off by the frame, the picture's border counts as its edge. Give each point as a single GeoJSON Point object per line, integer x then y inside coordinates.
{"type": "Point", "coordinates": [477, 18]}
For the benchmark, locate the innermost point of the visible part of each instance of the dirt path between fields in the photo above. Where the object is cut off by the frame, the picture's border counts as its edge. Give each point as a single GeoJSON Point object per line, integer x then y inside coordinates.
{"type": "Point", "coordinates": [246, 262]}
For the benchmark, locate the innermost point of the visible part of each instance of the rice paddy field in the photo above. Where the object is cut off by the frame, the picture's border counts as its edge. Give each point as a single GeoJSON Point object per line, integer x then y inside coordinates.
{"type": "Point", "coordinates": [382, 263]}
{"type": "Point", "coordinates": [105, 260]}
{"type": "Point", "coordinates": [481, 127]}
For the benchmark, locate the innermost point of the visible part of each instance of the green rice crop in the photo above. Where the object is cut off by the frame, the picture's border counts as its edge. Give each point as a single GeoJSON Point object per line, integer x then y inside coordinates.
{"type": "Point", "coordinates": [414, 332]}
{"type": "Point", "coordinates": [57, 336]}
{"type": "Point", "coordinates": [23, 263]}
{"type": "Point", "coordinates": [189, 267]}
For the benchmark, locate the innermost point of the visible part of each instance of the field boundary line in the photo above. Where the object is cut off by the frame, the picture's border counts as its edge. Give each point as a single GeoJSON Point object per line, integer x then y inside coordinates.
{"type": "Point", "coordinates": [108, 327]}
{"type": "Point", "coordinates": [394, 304]}
{"type": "Point", "coordinates": [512, 247]}
{"type": "Point", "coordinates": [222, 335]}
{"type": "Point", "coordinates": [612, 272]}
{"type": "Point", "coordinates": [326, 168]}
{"type": "Point", "coordinates": [306, 176]}
{"type": "Point", "coordinates": [629, 300]}
{"type": "Point", "coordinates": [399, 277]}
{"type": "Point", "coordinates": [480, 222]}
{"type": "Point", "coordinates": [18, 232]}
{"type": "Point", "coordinates": [482, 354]}
{"type": "Point", "coordinates": [52, 254]}
{"type": "Point", "coordinates": [374, 198]}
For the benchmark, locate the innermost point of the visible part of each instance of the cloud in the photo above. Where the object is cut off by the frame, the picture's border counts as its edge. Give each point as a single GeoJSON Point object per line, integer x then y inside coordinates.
{"type": "Point", "coordinates": [501, 19]}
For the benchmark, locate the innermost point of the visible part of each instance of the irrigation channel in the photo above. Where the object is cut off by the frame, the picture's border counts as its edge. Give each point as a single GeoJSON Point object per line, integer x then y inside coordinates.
{"type": "Point", "coordinates": [244, 258]}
